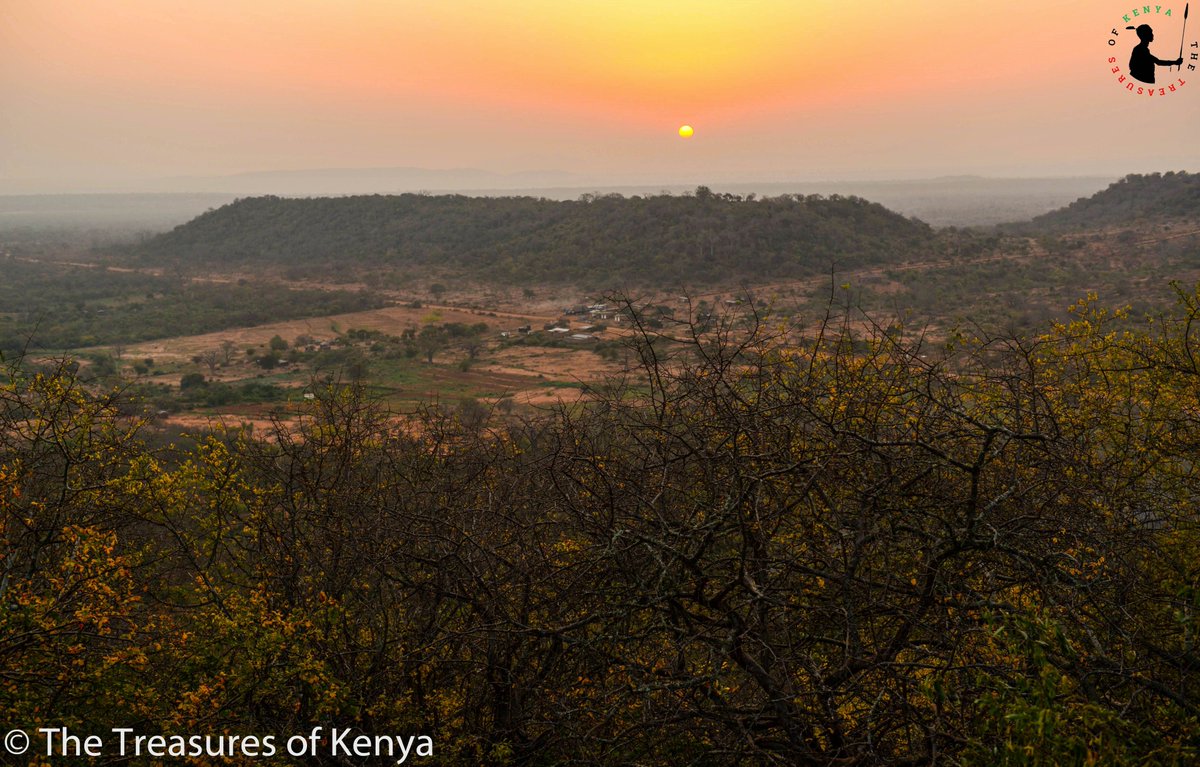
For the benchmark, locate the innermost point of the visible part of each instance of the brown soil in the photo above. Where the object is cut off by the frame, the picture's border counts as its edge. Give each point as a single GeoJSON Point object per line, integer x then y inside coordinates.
{"type": "Point", "coordinates": [391, 320]}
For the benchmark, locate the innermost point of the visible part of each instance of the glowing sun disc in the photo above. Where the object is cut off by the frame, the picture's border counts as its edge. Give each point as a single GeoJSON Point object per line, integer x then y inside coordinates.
{"type": "Point", "coordinates": [685, 131]}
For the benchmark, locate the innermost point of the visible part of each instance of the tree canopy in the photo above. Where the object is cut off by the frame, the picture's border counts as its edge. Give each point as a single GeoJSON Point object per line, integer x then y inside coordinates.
{"type": "Point", "coordinates": [604, 239]}
{"type": "Point", "coordinates": [763, 545]}
{"type": "Point", "coordinates": [1136, 197]}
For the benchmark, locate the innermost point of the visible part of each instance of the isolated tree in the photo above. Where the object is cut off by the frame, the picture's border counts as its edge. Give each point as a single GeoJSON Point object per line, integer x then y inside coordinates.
{"type": "Point", "coordinates": [213, 358]}
{"type": "Point", "coordinates": [474, 339]}
{"type": "Point", "coordinates": [357, 368]}
{"type": "Point", "coordinates": [430, 340]}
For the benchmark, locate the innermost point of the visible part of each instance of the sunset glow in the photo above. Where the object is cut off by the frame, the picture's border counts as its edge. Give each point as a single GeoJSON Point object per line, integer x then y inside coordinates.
{"type": "Point", "coordinates": [150, 88]}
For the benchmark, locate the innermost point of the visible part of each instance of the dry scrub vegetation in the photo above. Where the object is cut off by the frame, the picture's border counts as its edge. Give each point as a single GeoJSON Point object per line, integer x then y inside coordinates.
{"type": "Point", "coordinates": [762, 546]}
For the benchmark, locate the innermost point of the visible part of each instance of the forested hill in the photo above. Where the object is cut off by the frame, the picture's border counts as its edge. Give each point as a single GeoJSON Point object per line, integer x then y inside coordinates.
{"type": "Point", "coordinates": [1135, 197]}
{"type": "Point", "coordinates": [676, 239]}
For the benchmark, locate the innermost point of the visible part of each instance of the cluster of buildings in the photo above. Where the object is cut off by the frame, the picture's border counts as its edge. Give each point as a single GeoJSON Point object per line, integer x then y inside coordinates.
{"type": "Point", "coordinates": [591, 316]}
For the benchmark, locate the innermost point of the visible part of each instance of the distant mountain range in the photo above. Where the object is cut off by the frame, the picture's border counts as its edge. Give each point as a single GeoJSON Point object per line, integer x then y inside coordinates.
{"type": "Point", "coordinates": [697, 237]}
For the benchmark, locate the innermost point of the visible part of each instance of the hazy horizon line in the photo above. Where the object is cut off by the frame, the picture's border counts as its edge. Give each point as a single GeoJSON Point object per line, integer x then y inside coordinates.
{"type": "Point", "coordinates": [410, 179]}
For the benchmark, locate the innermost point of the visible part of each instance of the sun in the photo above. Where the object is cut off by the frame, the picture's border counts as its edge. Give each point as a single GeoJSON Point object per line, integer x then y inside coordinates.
{"type": "Point", "coordinates": [685, 131]}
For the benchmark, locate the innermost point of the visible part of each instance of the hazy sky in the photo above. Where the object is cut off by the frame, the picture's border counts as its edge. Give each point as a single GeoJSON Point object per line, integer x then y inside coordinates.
{"type": "Point", "coordinates": [93, 91]}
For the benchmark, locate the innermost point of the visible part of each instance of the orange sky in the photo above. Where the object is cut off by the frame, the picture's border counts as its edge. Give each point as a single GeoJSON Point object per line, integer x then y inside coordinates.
{"type": "Point", "coordinates": [94, 90]}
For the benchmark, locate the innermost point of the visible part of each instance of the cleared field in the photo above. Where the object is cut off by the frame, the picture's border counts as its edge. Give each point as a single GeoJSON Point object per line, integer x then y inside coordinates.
{"type": "Point", "coordinates": [392, 320]}
{"type": "Point", "coordinates": [526, 375]}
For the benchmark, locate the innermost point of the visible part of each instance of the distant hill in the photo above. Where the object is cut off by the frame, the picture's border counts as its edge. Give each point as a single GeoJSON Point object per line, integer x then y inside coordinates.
{"type": "Point", "coordinates": [1141, 197]}
{"type": "Point", "coordinates": [128, 211]}
{"type": "Point", "coordinates": [598, 239]}
{"type": "Point", "coordinates": [951, 200]}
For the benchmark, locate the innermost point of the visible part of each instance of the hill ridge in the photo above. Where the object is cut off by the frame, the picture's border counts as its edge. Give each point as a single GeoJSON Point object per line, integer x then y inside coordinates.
{"type": "Point", "coordinates": [697, 238]}
{"type": "Point", "coordinates": [1136, 196]}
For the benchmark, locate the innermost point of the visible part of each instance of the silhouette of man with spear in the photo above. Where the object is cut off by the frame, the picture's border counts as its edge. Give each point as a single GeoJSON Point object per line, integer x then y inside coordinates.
{"type": "Point", "coordinates": [1142, 61]}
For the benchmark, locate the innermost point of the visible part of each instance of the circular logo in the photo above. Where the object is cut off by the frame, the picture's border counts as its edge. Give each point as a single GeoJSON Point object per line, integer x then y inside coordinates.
{"type": "Point", "coordinates": [1150, 53]}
